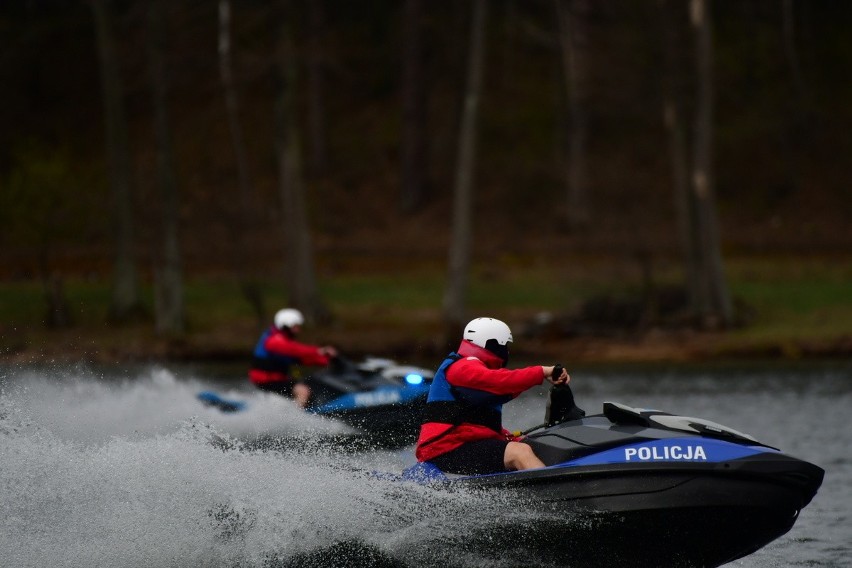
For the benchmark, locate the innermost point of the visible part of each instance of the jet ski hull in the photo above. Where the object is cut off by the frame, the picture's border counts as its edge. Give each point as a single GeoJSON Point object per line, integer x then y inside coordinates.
{"type": "Point", "coordinates": [392, 425]}
{"type": "Point", "coordinates": [617, 492]}
{"type": "Point", "coordinates": [776, 481]}
{"type": "Point", "coordinates": [651, 515]}
{"type": "Point", "coordinates": [671, 538]}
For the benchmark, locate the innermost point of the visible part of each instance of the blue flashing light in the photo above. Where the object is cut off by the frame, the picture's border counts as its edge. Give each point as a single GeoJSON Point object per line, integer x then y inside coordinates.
{"type": "Point", "coordinates": [413, 379]}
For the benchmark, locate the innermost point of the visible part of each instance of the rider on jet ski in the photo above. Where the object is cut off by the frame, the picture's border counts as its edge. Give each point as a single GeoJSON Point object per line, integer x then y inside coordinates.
{"type": "Point", "coordinates": [277, 353]}
{"type": "Point", "coordinates": [462, 430]}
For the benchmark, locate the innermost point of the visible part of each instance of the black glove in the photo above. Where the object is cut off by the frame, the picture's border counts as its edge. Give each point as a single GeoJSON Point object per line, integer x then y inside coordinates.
{"type": "Point", "coordinates": [557, 371]}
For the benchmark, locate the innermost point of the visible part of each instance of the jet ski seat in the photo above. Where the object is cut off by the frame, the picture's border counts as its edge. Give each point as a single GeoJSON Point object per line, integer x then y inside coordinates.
{"type": "Point", "coordinates": [622, 414]}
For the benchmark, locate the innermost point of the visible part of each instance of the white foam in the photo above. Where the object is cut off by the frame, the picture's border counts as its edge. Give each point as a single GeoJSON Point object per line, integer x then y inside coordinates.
{"type": "Point", "coordinates": [80, 406]}
{"type": "Point", "coordinates": [101, 473]}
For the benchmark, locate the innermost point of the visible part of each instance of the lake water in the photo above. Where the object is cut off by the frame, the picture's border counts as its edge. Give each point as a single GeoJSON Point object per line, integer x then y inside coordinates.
{"type": "Point", "coordinates": [126, 468]}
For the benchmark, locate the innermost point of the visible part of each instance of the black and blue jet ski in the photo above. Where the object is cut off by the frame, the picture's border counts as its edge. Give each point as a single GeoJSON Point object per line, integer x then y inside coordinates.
{"type": "Point", "coordinates": [376, 396]}
{"type": "Point", "coordinates": [636, 487]}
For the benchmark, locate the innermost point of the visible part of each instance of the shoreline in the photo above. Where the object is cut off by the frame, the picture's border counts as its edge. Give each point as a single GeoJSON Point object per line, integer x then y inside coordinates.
{"type": "Point", "coordinates": [653, 348]}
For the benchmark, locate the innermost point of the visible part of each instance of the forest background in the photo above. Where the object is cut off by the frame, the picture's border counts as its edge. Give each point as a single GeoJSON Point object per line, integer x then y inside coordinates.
{"type": "Point", "coordinates": [619, 180]}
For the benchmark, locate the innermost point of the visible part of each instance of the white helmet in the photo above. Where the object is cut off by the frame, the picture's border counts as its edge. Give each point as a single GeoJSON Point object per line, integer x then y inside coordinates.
{"type": "Point", "coordinates": [491, 334]}
{"type": "Point", "coordinates": [288, 317]}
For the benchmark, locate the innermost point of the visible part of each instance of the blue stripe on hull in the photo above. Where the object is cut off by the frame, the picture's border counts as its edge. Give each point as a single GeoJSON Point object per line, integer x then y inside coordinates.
{"type": "Point", "coordinates": [694, 450]}
{"type": "Point", "coordinates": [382, 396]}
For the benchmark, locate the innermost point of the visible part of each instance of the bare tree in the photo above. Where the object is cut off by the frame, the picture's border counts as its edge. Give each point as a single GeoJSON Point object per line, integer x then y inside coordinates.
{"type": "Point", "coordinates": [692, 168]}
{"type": "Point", "coordinates": [169, 309]}
{"type": "Point", "coordinates": [239, 223]}
{"type": "Point", "coordinates": [714, 302]}
{"type": "Point", "coordinates": [673, 95]}
{"type": "Point", "coordinates": [125, 300]}
{"type": "Point", "coordinates": [800, 126]}
{"type": "Point", "coordinates": [509, 46]}
{"type": "Point", "coordinates": [232, 107]}
{"type": "Point", "coordinates": [301, 278]}
{"type": "Point", "coordinates": [413, 168]}
{"type": "Point", "coordinates": [316, 87]}
{"type": "Point", "coordinates": [792, 55]}
{"type": "Point", "coordinates": [572, 18]}
{"type": "Point", "coordinates": [462, 223]}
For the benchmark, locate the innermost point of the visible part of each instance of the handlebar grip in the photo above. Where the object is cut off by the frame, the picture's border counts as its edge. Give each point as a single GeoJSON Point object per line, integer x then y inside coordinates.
{"type": "Point", "coordinates": [557, 371]}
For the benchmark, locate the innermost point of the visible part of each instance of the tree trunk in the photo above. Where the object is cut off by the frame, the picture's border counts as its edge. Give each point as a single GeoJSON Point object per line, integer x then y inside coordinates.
{"type": "Point", "coordinates": [301, 278]}
{"type": "Point", "coordinates": [316, 88]}
{"type": "Point", "coordinates": [714, 303]}
{"type": "Point", "coordinates": [241, 222]}
{"type": "Point", "coordinates": [792, 54]}
{"type": "Point", "coordinates": [232, 109]}
{"type": "Point", "coordinates": [460, 244]}
{"type": "Point", "coordinates": [678, 154]}
{"type": "Point", "coordinates": [169, 277]}
{"type": "Point", "coordinates": [572, 18]}
{"type": "Point", "coordinates": [413, 174]}
{"type": "Point", "coordinates": [509, 46]}
{"type": "Point", "coordinates": [125, 299]}
{"type": "Point", "coordinates": [799, 129]}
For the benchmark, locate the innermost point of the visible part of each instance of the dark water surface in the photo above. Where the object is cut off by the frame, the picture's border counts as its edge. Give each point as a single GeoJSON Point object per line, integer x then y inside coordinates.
{"type": "Point", "coordinates": [126, 468]}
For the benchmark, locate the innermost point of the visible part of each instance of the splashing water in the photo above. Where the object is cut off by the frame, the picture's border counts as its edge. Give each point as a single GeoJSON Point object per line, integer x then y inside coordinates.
{"type": "Point", "coordinates": [82, 407]}
{"type": "Point", "coordinates": [139, 473]}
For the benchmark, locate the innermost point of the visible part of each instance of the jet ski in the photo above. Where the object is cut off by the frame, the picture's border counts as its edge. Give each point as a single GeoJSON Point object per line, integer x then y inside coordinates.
{"type": "Point", "coordinates": [376, 396]}
{"type": "Point", "coordinates": [639, 487]}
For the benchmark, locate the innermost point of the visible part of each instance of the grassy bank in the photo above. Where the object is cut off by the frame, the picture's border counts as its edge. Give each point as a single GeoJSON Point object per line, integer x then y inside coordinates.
{"type": "Point", "coordinates": [796, 306]}
{"type": "Point", "coordinates": [793, 308]}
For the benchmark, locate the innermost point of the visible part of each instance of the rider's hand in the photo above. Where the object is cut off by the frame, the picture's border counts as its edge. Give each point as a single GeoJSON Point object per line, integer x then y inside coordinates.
{"type": "Point", "coordinates": [563, 377]}
{"type": "Point", "coordinates": [328, 351]}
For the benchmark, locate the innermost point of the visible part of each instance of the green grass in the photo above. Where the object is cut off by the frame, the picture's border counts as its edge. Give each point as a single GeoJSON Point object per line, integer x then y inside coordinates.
{"type": "Point", "coordinates": [789, 301]}
{"type": "Point", "coordinates": [804, 300]}
{"type": "Point", "coordinates": [396, 291]}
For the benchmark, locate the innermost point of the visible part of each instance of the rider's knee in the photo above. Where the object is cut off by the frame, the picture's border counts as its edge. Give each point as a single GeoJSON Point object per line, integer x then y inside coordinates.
{"type": "Point", "coordinates": [519, 455]}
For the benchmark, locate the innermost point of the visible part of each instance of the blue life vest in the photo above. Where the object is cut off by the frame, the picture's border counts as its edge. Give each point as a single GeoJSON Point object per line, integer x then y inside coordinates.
{"type": "Point", "coordinates": [450, 404]}
{"type": "Point", "coordinates": [266, 361]}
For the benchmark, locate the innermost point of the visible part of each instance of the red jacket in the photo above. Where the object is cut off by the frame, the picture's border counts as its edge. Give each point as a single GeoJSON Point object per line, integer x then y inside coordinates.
{"type": "Point", "coordinates": [275, 354]}
{"type": "Point", "coordinates": [481, 370]}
